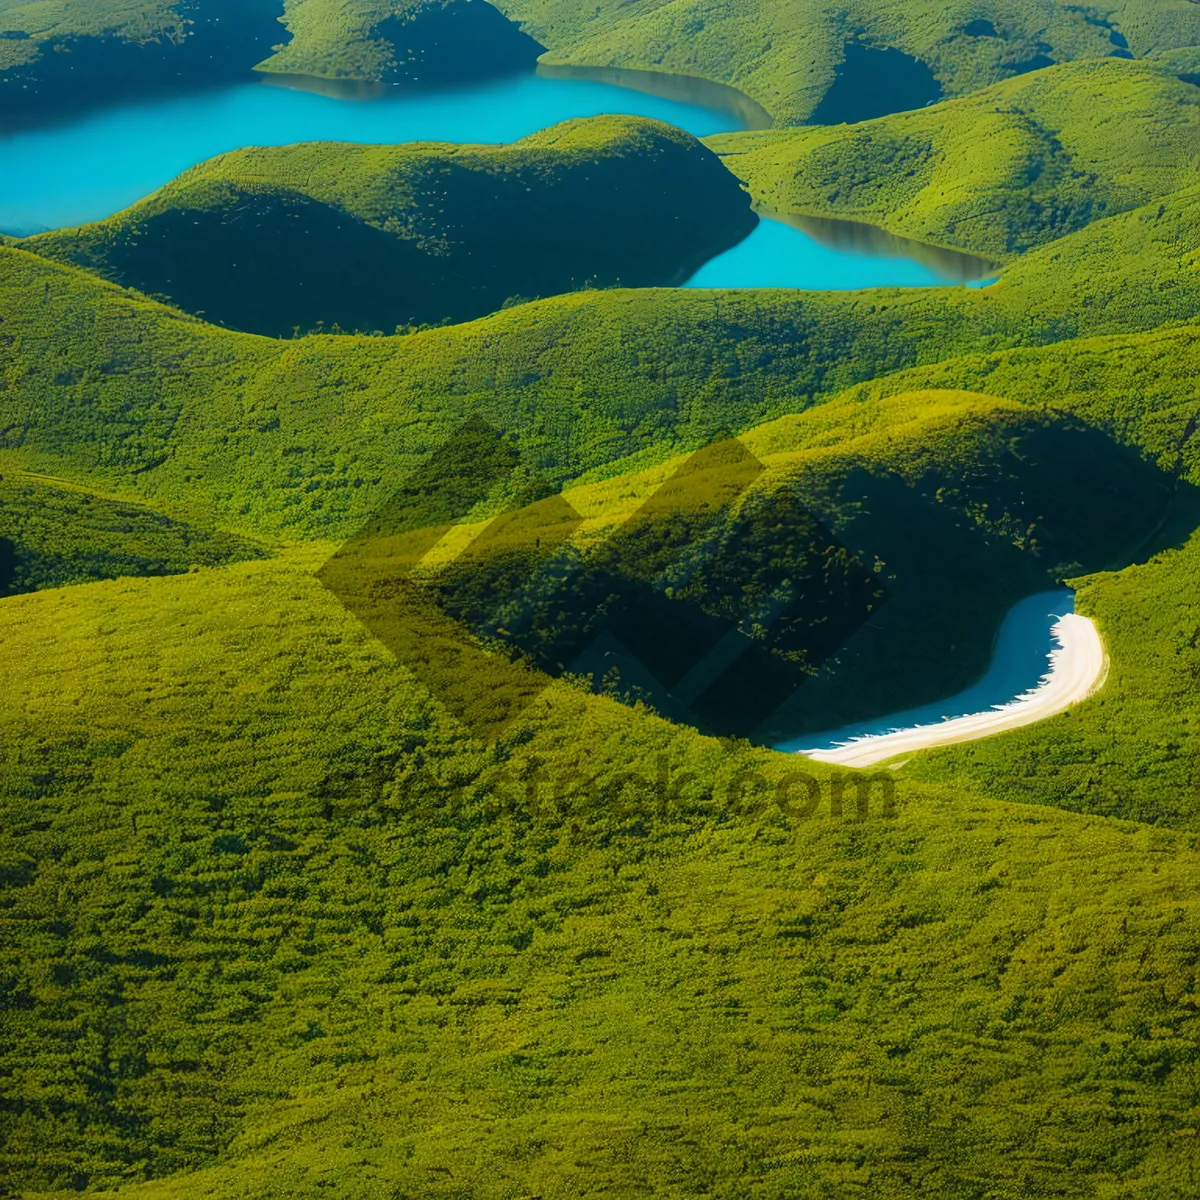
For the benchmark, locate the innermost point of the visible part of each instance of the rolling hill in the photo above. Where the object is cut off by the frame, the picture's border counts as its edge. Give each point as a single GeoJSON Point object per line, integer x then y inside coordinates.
{"type": "Point", "coordinates": [386, 809]}
{"type": "Point", "coordinates": [287, 239]}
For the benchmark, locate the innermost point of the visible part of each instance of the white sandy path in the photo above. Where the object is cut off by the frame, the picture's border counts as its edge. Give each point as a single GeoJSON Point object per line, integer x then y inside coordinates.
{"type": "Point", "coordinates": [1077, 668]}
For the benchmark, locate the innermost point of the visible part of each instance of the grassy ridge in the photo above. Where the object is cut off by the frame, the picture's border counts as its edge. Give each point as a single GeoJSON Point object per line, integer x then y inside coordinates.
{"type": "Point", "coordinates": [304, 435]}
{"type": "Point", "coordinates": [1009, 168]}
{"type": "Point", "coordinates": [785, 57]}
{"type": "Point", "coordinates": [373, 237]}
{"type": "Point", "coordinates": [428, 993]}
{"type": "Point", "coordinates": [1127, 752]}
{"type": "Point", "coordinates": [951, 505]}
{"type": "Point", "coordinates": [290, 448]}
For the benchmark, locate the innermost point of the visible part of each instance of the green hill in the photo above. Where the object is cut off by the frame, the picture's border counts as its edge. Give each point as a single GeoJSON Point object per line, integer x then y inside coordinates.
{"type": "Point", "coordinates": [786, 57]}
{"type": "Point", "coordinates": [63, 59]}
{"type": "Point", "coordinates": [1006, 169]}
{"type": "Point", "coordinates": [351, 841]}
{"type": "Point", "coordinates": [285, 438]}
{"type": "Point", "coordinates": [855, 537]}
{"type": "Point", "coordinates": [274, 921]}
{"type": "Point", "coordinates": [796, 61]}
{"type": "Point", "coordinates": [371, 238]}
{"type": "Point", "coordinates": [1129, 751]}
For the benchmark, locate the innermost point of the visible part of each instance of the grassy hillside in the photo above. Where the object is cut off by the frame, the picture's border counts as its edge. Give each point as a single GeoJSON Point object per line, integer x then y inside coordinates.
{"type": "Point", "coordinates": [373, 237]}
{"type": "Point", "coordinates": [309, 438]}
{"type": "Point", "coordinates": [1128, 752]}
{"type": "Point", "coordinates": [342, 850]}
{"type": "Point", "coordinates": [404, 42]}
{"type": "Point", "coordinates": [857, 535]}
{"type": "Point", "coordinates": [1012, 167]}
{"type": "Point", "coordinates": [304, 435]}
{"type": "Point", "coordinates": [786, 56]}
{"type": "Point", "coordinates": [312, 966]}
{"type": "Point", "coordinates": [58, 60]}
{"type": "Point", "coordinates": [1134, 750]}
{"type": "Point", "coordinates": [53, 534]}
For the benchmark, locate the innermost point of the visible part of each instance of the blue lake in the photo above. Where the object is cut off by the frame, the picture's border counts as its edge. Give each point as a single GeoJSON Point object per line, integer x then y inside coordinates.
{"type": "Point", "coordinates": [777, 255]}
{"type": "Point", "coordinates": [1020, 657]}
{"type": "Point", "coordinates": [86, 169]}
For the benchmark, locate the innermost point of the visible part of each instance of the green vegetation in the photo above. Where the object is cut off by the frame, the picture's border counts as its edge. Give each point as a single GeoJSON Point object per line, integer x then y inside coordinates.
{"type": "Point", "coordinates": [406, 42]}
{"type": "Point", "coordinates": [1012, 167]}
{"type": "Point", "coordinates": [308, 884]}
{"type": "Point", "coordinates": [64, 58]}
{"type": "Point", "coordinates": [785, 58]}
{"type": "Point", "coordinates": [857, 535]}
{"type": "Point", "coordinates": [314, 937]}
{"type": "Point", "coordinates": [123, 393]}
{"type": "Point", "coordinates": [1133, 750]}
{"type": "Point", "coordinates": [374, 237]}
{"type": "Point", "coordinates": [53, 535]}
{"type": "Point", "coordinates": [1128, 752]}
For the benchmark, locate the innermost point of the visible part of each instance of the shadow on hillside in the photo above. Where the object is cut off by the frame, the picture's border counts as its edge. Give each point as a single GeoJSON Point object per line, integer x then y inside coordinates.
{"type": "Point", "coordinates": [8, 566]}
{"type": "Point", "coordinates": [873, 82]}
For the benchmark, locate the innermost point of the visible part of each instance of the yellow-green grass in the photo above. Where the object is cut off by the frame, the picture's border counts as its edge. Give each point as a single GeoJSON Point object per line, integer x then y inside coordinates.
{"type": "Point", "coordinates": [254, 946]}
{"type": "Point", "coordinates": [53, 534]}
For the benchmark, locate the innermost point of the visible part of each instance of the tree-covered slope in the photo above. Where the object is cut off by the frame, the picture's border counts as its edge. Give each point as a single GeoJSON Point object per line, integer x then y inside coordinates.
{"type": "Point", "coordinates": [374, 237]}
{"type": "Point", "coordinates": [786, 56]}
{"type": "Point", "coordinates": [796, 60]}
{"type": "Point", "coordinates": [309, 886]}
{"type": "Point", "coordinates": [789, 58]}
{"type": "Point", "coordinates": [63, 59]}
{"type": "Point", "coordinates": [1130, 750]}
{"type": "Point", "coordinates": [1009, 168]}
{"type": "Point", "coordinates": [309, 438]}
{"type": "Point", "coordinates": [858, 535]}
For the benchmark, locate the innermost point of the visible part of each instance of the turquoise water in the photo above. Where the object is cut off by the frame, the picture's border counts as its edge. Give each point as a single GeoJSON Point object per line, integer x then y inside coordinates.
{"type": "Point", "coordinates": [779, 255]}
{"type": "Point", "coordinates": [90, 168]}
{"type": "Point", "coordinates": [1020, 658]}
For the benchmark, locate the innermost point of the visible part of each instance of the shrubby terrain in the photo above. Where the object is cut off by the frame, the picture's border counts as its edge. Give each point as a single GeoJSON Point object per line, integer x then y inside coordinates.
{"type": "Point", "coordinates": [1064, 147]}
{"type": "Point", "coordinates": [291, 904]}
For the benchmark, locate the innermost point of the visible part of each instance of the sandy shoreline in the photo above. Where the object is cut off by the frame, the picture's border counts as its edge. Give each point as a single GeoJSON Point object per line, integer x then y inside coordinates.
{"type": "Point", "coordinates": [1077, 668]}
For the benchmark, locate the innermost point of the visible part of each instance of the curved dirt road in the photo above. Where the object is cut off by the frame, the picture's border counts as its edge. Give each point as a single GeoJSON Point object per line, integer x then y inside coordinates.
{"type": "Point", "coordinates": [1077, 668]}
